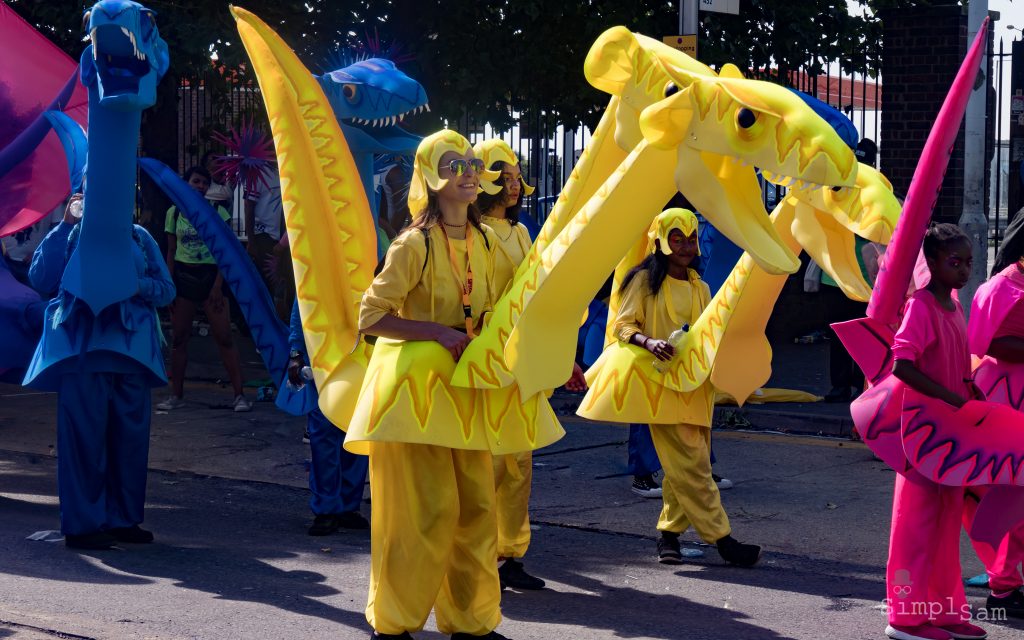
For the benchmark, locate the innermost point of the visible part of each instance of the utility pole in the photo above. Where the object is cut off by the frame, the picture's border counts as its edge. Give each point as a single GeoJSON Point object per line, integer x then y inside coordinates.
{"type": "Point", "coordinates": [687, 16]}
{"type": "Point", "coordinates": [974, 218]}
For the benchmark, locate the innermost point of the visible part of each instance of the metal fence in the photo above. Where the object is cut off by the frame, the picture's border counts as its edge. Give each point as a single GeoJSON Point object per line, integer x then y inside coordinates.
{"type": "Point", "coordinates": [215, 102]}
{"type": "Point", "coordinates": [219, 99]}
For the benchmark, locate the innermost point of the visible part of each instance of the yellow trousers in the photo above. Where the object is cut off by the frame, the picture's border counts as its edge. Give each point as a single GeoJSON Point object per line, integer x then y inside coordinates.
{"type": "Point", "coordinates": [689, 493]}
{"type": "Point", "coordinates": [513, 479]}
{"type": "Point", "coordinates": [433, 539]}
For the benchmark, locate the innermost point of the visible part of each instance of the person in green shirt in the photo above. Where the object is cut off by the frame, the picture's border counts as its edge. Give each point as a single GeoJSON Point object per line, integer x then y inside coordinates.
{"type": "Point", "coordinates": [198, 282]}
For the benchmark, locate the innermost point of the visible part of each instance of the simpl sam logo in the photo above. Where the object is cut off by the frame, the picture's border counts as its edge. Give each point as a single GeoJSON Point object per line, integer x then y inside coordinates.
{"type": "Point", "coordinates": [901, 583]}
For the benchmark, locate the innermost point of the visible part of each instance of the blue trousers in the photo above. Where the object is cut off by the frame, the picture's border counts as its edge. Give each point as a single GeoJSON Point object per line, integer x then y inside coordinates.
{"type": "Point", "coordinates": [643, 459]}
{"type": "Point", "coordinates": [102, 450]}
{"type": "Point", "coordinates": [336, 477]}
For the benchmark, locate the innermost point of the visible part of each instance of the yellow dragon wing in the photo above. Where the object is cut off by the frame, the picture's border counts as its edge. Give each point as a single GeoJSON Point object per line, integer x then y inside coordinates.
{"type": "Point", "coordinates": [330, 230]}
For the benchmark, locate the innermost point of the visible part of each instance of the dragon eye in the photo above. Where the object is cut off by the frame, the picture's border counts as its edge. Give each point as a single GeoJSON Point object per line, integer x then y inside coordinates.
{"type": "Point", "coordinates": [349, 91]}
{"type": "Point", "coordinates": [746, 118]}
{"type": "Point", "coordinates": [837, 189]}
{"type": "Point", "coordinates": [671, 89]}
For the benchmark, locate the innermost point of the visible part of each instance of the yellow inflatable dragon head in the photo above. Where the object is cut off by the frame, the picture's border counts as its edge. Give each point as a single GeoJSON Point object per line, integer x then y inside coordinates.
{"type": "Point", "coordinates": [425, 176]}
{"type": "Point", "coordinates": [497, 150]}
{"type": "Point", "coordinates": [676, 218]}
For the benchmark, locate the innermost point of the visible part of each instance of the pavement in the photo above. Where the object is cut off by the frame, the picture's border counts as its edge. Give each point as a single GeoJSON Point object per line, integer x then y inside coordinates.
{"type": "Point", "coordinates": [228, 502]}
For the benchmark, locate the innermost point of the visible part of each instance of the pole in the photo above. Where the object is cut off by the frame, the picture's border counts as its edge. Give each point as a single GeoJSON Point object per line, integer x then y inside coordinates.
{"type": "Point", "coordinates": [687, 17]}
{"type": "Point", "coordinates": [974, 218]}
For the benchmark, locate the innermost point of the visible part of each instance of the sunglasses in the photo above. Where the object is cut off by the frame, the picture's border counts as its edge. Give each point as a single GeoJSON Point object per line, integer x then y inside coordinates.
{"type": "Point", "coordinates": [459, 167]}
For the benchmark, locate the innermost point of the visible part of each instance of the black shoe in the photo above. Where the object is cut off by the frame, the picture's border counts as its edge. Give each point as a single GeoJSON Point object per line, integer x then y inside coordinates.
{"type": "Point", "coordinates": [352, 520]}
{"type": "Point", "coordinates": [646, 487]}
{"type": "Point", "coordinates": [133, 534]}
{"type": "Point", "coordinates": [512, 574]}
{"type": "Point", "coordinates": [493, 635]}
{"type": "Point", "coordinates": [324, 524]}
{"type": "Point", "coordinates": [96, 541]}
{"type": "Point", "coordinates": [838, 394]}
{"type": "Point", "coordinates": [668, 548]}
{"type": "Point", "coordinates": [737, 553]}
{"type": "Point", "coordinates": [391, 636]}
{"type": "Point", "coordinates": [1012, 605]}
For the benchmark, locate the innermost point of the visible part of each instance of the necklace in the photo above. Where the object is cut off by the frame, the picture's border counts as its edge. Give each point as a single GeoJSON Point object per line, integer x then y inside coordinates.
{"type": "Point", "coordinates": [455, 226]}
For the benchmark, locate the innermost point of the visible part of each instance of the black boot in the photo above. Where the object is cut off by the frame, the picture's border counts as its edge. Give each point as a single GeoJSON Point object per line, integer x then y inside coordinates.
{"type": "Point", "coordinates": [95, 541]}
{"type": "Point", "coordinates": [737, 553]}
{"type": "Point", "coordinates": [133, 534]}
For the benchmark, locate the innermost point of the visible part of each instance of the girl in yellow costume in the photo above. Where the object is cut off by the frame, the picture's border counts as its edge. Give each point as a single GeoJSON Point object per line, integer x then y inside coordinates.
{"type": "Point", "coordinates": [513, 473]}
{"type": "Point", "coordinates": [433, 528]}
{"type": "Point", "coordinates": [660, 295]}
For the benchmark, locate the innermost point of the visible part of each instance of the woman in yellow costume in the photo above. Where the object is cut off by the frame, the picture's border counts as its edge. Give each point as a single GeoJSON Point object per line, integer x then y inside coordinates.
{"type": "Point", "coordinates": [513, 473]}
{"type": "Point", "coordinates": [433, 525]}
{"type": "Point", "coordinates": [663, 294]}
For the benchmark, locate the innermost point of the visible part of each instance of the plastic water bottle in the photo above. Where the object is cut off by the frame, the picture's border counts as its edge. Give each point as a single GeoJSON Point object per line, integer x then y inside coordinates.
{"type": "Point", "coordinates": [675, 339]}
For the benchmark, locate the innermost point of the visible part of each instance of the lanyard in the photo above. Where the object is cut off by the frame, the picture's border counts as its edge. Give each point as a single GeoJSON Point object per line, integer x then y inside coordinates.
{"type": "Point", "coordinates": [467, 284]}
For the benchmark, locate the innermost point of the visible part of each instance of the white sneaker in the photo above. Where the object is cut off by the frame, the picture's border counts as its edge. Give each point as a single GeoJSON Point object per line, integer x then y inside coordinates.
{"type": "Point", "coordinates": [723, 483]}
{"type": "Point", "coordinates": [242, 405]}
{"type": "Point", "coordinates": [171, 403]}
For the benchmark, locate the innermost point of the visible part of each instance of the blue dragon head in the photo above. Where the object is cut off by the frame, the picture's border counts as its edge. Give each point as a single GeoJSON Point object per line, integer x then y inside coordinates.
{"type": "Point", "coordinates": [372, 96]}
{"type": "Point", "coordinates": [127, 56]}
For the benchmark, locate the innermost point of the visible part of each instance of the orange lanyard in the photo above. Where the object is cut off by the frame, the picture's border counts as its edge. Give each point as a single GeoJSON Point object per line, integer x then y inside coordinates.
{"type": "Point", "coordinates": [467, 284]}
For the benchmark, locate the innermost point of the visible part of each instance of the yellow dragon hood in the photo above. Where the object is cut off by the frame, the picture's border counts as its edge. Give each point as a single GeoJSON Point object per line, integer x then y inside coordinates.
{"type": "Point", "coordinates": [497, 150]}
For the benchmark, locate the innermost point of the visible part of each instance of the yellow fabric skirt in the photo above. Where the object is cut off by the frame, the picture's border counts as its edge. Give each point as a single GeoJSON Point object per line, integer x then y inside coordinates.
{"type": "Point", "coordinates": [625, 387]}
{"type": "Point", "coordinates": [407, 396]}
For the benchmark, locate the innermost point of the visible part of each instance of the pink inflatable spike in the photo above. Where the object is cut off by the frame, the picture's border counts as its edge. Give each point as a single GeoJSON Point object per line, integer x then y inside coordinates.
{"type": "Point", "coordinates": [894, 277]}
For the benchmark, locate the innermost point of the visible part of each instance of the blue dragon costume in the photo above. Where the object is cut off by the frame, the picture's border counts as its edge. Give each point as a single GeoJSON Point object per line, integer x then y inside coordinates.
{"type": "Point", "coordinates": [101, 338]}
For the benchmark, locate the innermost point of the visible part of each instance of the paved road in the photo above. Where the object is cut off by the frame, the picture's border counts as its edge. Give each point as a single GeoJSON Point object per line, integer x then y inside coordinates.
{"type": "Point", "coordinates": [228, 504]}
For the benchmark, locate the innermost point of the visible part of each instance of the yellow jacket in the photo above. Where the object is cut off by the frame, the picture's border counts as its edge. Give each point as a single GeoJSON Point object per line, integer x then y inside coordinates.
{"type": "Point", "coordinates": [406, 395]}
{"type": "Point", "coordinates": [513, 245]}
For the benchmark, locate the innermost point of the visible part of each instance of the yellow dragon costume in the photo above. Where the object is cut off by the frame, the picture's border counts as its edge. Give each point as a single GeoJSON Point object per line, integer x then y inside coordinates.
{"type": "Point", "coordinates": [693, 141]}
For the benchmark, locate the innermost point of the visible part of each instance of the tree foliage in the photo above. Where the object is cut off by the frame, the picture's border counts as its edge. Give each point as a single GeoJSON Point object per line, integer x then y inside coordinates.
{"type": "Point", "coordinates": [486, 60]}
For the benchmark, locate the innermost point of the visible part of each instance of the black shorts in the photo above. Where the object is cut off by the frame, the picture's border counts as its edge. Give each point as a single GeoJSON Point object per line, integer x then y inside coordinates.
{"type": "Point", "coordinates": [194, 281]}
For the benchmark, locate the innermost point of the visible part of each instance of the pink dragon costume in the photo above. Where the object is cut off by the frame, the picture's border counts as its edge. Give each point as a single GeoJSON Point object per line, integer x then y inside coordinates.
{"type": "Point", "coordinates": [936, 449]}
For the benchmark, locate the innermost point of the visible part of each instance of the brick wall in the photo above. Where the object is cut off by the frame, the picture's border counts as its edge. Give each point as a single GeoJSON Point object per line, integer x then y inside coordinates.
{"type": "Point", "coordinates": [922, 49]}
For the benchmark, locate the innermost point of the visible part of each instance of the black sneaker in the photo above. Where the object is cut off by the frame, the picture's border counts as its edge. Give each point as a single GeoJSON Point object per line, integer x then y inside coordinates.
{"type": "Point", "coordinates": [96, 541]}
{"type": "Point", "coordinates": [133, 534]}
{"type": "Point", "coordinates": [512, 574]}
{"type": "Point", "coordinates": [737, 553]}
{"type": "Point", "coordinates": [1012, 605]}
{"type": "Point", "coordinates": [493, 635]}
{"type": "Point", "coordinates": [305, 437]}
{"type": "Point", "coordinates": [668, 548]}
{"type": "Point", "coordinates": [391, 636]}
{"type": "Point", "coordinates": [646, 487]}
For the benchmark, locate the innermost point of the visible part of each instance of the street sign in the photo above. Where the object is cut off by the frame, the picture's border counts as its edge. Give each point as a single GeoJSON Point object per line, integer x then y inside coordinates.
{"type": "Point", "coordinates": [721, 6]}
{"type": "Point", "coordinates": [686, 44]}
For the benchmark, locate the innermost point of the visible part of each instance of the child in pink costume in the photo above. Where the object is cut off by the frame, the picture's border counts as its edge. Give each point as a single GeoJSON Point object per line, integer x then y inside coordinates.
{"type": "Point", "coordinates": [923, 584]}
{"type": "Point", "coordinates": [996, 335]}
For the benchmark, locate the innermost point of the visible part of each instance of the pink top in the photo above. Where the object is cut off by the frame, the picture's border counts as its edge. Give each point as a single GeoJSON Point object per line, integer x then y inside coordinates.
{"type": "Point", "coordinates": [935, 340]}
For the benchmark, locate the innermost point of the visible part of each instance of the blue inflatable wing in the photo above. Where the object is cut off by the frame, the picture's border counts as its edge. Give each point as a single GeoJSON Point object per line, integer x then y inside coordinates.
{"type": "Point", "coordinates": [75, 144]}
{"type": "Point", "coordinates": [269, 333]}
